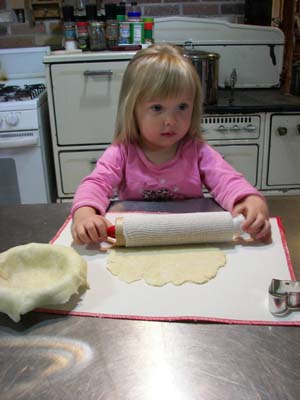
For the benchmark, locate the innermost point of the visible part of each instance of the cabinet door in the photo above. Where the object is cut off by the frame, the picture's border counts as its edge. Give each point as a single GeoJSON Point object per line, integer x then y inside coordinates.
{"type": "Point", "coordinates": [244, 158]}
{"type": "Point", "coordinates": [284, 151]}
{"type": "Point", "coordinates": [74, 166]}
{"type": "Point", "coordinates": [85, 101]}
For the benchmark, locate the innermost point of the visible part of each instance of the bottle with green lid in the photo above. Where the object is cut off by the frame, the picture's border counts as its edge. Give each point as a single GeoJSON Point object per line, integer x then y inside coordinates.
{"type": "Point", "coordinates": [124, 30]}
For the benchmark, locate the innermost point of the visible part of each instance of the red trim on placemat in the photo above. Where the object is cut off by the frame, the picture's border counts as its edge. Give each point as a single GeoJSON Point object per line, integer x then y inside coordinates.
{"type": "Point", "coordinates": [285, 248]}
{"type": "Point", "coordinates": [58, 233]}
{"type": "Point", "coordinates": [168, 319]}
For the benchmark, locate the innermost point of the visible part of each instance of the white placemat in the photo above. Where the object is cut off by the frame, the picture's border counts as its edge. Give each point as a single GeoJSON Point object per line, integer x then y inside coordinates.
{"type": "Point", "coordinates": [238, 294]}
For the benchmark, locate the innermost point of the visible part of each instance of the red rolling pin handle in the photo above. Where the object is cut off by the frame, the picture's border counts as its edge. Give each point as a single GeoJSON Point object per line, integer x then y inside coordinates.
{"type": "Point", "coordinates": [111, 231]}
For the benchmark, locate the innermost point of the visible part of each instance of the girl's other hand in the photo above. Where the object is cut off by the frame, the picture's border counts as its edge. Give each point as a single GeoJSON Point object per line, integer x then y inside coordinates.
{"type": "Point", "coordinates": [88, 226]}
{"type": "Point", "coordinates": [256, 213]}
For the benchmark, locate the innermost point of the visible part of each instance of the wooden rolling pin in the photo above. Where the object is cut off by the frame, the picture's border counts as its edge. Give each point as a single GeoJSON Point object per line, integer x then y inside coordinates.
{"type": "Point", "coordinates": [141, 229]}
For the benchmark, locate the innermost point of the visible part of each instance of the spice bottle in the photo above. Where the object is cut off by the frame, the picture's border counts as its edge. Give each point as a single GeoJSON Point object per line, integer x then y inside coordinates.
{"type": "Point", "coordinates": [136, 25]}
{"type": "Point", "coordinates": [124, 30]}
{"type": "Point", "coordinates": [148, 30]}
{"type": "Point", "coordinates": [136, 32]}
{"type": "Point", "coordinates": [69, 28]}
{"type": "Point", "coordinates": [112, 33]}
{"type": "Point", "coordinates": [82, 35]}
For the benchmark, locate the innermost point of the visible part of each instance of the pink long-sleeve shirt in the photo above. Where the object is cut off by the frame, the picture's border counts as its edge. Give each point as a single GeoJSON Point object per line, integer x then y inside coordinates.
{"type": "Point", "coordinates": [126, 170]}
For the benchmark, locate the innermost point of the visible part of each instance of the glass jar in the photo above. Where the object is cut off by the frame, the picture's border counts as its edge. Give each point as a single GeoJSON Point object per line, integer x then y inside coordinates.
{"type": "Point", "coordinates": [97, 36]}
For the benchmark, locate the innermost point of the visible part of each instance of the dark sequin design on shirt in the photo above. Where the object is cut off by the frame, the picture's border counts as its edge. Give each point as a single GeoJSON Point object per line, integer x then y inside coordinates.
{"type": "Point", "coordinates": [158, 195]}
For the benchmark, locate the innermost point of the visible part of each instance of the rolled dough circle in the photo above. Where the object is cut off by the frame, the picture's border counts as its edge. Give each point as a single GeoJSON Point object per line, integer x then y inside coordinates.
{"type": "Point", "coordinates": [170, 264]}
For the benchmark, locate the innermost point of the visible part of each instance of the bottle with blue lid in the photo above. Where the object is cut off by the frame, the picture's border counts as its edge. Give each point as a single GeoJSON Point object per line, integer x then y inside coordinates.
{"type": "Point", "coordinates": [136, 24]}
{"type": "Point", "coordinates": [134, 12]}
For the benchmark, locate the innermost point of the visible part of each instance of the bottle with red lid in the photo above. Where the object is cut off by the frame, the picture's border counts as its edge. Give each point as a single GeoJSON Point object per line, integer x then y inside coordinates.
{"type": "Point", "coordinates": [148, 30]}
{"type": "Point", "coordinates": [82, 28]}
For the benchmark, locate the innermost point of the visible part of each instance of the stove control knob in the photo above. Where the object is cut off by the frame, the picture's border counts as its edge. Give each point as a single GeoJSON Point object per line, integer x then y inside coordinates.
{"type": "Point", "coordinates": [250, 128]}
{"type": "Point", "coordinates": [235, 128]}
{"type": "Point", "coordinates": [222, 128]}
{"type": "Point", "coordinates": [12, 119]}
{"type": "Point", "coordinates": [282, 131]}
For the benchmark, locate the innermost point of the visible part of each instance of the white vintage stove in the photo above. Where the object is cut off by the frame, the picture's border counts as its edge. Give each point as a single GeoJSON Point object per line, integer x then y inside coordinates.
{"type": "Point", "coordinates": [26, 161]}
{"type": "Point", "coordinates": [264, 146]}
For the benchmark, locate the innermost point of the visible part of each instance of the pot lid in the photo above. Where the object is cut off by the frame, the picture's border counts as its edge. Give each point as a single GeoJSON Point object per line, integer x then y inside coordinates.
{"type": "Point", "coordinates": [190, 51]}
{"type": "Point", "coordinates": [201, 55]}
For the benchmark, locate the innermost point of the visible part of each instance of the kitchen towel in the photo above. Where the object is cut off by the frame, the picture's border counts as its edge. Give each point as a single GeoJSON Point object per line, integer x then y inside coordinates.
{"type": "Point", "coordinates": [237, 295]}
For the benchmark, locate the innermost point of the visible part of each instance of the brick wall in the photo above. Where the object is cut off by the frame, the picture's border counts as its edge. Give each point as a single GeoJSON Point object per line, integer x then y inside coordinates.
{"type": "Point", "coordinates": [49, 32]}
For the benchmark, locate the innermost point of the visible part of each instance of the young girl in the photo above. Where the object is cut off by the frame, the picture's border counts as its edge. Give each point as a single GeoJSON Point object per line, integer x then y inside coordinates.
{"type": "Point", "coordinates": [158, 152]}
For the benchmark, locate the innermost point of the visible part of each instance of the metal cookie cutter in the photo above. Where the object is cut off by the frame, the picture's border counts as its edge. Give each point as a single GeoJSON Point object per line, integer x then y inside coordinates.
{"type": "Point", "coordinates": [284, 296]}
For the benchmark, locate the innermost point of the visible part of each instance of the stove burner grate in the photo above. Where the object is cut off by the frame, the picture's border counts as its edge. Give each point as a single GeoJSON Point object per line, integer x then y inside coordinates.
{"type": "Point", "coordinates": [18, 93]}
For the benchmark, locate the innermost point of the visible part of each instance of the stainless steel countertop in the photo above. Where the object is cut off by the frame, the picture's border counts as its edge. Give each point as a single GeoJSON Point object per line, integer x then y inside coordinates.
{"type": "Point", "coordinates": [60, 357]}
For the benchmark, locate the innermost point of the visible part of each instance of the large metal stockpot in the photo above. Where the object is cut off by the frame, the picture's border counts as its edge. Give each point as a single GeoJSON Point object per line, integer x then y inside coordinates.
{"type": "Point", "coordinates": [207, 66]}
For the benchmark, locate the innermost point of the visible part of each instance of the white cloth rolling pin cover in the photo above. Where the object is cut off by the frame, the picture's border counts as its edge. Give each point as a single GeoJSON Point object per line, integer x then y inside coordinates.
{"type": "Point", "coordinates": [175, 229]}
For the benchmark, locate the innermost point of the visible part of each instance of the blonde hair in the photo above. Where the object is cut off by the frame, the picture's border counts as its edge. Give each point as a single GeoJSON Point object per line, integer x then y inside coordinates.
{"type": "Point", "coordinates": [160, 71]}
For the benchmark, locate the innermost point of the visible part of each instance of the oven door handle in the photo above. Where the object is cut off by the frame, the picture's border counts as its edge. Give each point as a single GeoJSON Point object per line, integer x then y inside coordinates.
{"type": "Point", "coordinates": [104, 72]}
{"type": "Point", "coordinates": [8, 140]}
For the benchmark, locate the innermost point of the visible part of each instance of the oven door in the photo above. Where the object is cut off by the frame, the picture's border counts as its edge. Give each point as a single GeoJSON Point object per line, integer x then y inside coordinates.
{"type": "Point", "coordinates": [244, 158]}
{"type": "Point", "coordinates": [22, 179]}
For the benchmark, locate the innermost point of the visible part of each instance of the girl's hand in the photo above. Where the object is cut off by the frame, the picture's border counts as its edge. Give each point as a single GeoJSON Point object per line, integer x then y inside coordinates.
{"type": "Point", "coordinates": [256, 213]}
{"type": "Point", "coordinates": [89, 227]}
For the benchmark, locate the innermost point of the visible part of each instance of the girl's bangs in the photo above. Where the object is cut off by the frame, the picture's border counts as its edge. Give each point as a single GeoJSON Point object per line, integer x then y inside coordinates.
{"type": "Point", "coordinates": [166, 83]}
